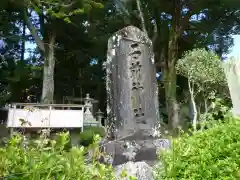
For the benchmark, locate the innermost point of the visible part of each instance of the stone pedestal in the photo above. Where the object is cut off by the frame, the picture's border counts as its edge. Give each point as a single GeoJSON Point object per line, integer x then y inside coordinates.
{"type": "Point", "coordinates": [140, 170]}
{"type": "Point", "coordinates": [121, 152]}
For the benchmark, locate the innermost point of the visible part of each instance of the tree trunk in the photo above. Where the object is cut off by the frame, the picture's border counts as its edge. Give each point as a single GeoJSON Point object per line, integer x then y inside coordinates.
{"type": "Point", "coordinates": [23, 40]}
{"type": "Point", "coordinates": [48, 72]}
{"type": "Point", "coordinates": [170, 95]}
{"type": "Point", "coordinates": [47, 50]}
{"type": "Point", "coordinates": [205, 112]}
{"type": "Point", "coordinates": [205, 105]}
{"type": "Point", "coordinates": [170, 79]}
{"type": "Point", "coordinates": [195, 113]}
{"type": "Point", "coordinates": [177, 27]}
{"type": "Point", "coordinates": [169, 69]}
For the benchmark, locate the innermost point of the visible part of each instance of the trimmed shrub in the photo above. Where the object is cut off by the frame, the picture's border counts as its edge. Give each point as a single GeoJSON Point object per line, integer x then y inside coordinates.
{"type": "Point", "coordinates": [47, 159]}
{"type": "Point", "coordinates": [97, 130]}
{"type": "Point", "coordinates": [211, 154]}
{"type": "Point", "coordinates": [87, 136]}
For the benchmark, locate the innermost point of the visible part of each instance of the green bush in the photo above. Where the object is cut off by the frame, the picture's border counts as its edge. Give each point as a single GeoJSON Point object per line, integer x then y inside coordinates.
{"type": "Point", "coordinates": [87, 136]}
{"type": "Point", "coordinates": [45, 159]}
{"type": "Point", "coordinates": [97, 130]}
{"type": "Point", "coordinates": [211, 154]}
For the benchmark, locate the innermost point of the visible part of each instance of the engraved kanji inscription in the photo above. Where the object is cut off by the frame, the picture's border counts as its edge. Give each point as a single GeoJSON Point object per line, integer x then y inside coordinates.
{"type": "Point", "coordinates": [136, 80]}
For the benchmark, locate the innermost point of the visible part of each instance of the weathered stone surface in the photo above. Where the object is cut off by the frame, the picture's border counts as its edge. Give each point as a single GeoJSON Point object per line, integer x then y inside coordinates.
{"type": "Point", "coordinates": [140, 150]}
{"type": "Point", "coordinates": [140, 170]}
{"type": "Point", "coordinates": [131, 84]}
{"type": "Point", "coordinates": [232, 72]}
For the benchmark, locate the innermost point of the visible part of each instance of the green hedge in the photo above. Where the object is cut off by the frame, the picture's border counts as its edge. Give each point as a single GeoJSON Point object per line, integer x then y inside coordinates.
{"type": "Point", "coordinates": [45, 159]}
{"type": "Point", "coordinates": [86, 137]}
{"type": "Point", "coordinates": [211, 154]}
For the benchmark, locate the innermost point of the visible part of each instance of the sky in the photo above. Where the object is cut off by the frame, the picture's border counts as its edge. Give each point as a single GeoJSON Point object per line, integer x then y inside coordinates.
{"type": "Point", "coordinates": [235, 50]}
{"type": "Point", "coordinates": [236, 47]}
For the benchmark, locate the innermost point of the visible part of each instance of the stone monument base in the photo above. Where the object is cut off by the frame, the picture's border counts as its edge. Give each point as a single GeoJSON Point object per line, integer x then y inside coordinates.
{"type": "Point", "coordinates": [141, 170]}
{"type": "Point", "coordinates": [120, 152]}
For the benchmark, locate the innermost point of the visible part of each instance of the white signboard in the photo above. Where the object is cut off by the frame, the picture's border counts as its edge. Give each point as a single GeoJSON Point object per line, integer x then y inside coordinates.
{"type": "Point", "coordinates": [66, 118]}
{"type": "Point", "coordinates": [43, 118]}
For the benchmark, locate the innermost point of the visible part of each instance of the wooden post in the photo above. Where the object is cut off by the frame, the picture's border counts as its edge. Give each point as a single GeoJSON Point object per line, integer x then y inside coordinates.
{"type": "Point", "coordinates": [50, 109]}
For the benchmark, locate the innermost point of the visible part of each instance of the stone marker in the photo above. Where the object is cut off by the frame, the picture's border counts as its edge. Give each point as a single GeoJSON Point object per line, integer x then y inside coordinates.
{"type": "Point", "coordinates": [131, 84]}
{"type": "Point", "coordinates": [132, 98]}
{"type": "Point", "coordinates": [232, 72]}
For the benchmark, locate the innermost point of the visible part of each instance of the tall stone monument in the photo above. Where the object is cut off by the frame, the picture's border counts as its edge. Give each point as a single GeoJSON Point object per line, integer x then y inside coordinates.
{"type": "Point", "coordinates": [131, 84]}
{"type": "Point", "coordinates": [132, 99]}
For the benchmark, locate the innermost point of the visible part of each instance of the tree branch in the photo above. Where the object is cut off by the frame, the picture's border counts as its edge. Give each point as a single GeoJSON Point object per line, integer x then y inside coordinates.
{"type": "Point", "coordinates": [185, 21]}
{"type": "Point", "coordinates": [121, 7]}
{"type": "Point", "coordinates": [34, 32]}
{"type": "Point", "coordinates": [57, 4]}
{"type": "Point", "coordinates": [155, 32]}
{"type": "Point", "coordinates": [141, 17]}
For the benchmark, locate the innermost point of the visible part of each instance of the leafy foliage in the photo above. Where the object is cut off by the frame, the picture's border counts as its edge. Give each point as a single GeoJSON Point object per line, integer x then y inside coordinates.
{"type": "Point", "coordinates": [62, 10]}
{"type": "Point", "coordinates": [48, 159]}
{"type": "Point", "coordinates": [19, 81]}
{"type": "Point", "coordinates": [211, 154]}
{"type": "Point", "coordinates": [201, 67]}
{"type": "Point", "coordinates": [217, 111]}
{"type": "Point", "coordinates": [87, 136]}
{"type": "Point", "coordinates": [205, 75]}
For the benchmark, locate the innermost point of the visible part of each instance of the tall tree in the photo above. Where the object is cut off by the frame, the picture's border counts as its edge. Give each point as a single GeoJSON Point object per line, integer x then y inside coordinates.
{"type": "Point", "coordinates": [205, 75]}
{"type": "Point", "coordinates": [48, 13]}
